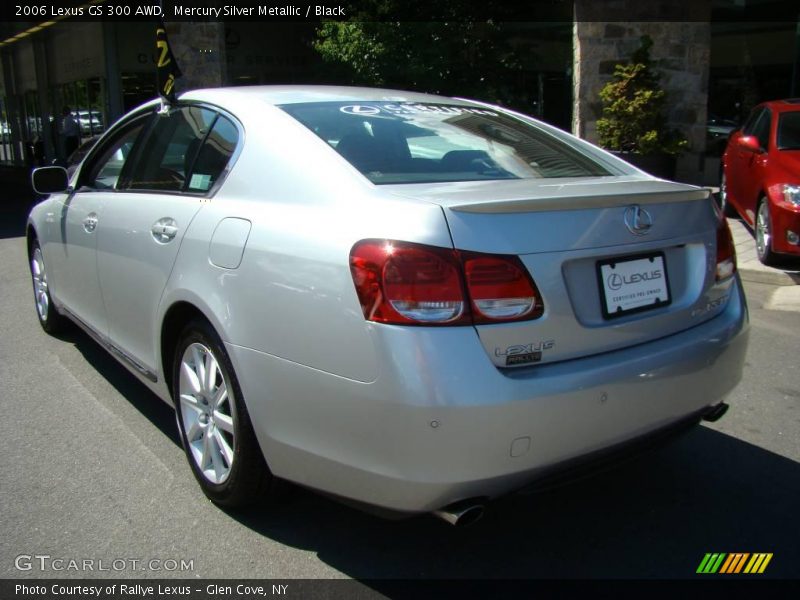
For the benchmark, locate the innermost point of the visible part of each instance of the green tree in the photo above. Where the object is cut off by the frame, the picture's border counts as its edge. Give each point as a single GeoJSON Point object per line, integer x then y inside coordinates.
{"type": "Point", "coordinates": [452, 57]}
{"type": "Point", "coordinates": [633, 109]}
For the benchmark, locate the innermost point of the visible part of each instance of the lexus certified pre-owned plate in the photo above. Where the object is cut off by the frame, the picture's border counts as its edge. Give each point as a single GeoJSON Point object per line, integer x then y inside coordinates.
{"type": "Point", "coordinates": [633, 284]}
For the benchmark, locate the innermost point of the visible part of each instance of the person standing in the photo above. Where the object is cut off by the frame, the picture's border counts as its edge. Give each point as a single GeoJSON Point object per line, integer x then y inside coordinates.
{"type": "Point", "coordinates": [70, 131]}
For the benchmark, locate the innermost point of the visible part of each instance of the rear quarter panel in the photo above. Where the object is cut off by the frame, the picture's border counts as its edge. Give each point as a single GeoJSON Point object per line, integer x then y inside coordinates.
{"type": "Point", "coordinates": [292, 296]}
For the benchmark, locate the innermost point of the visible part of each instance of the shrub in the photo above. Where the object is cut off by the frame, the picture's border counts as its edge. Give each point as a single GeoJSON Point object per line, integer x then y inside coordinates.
{"type": "Point", "coordinates": [633, 109]}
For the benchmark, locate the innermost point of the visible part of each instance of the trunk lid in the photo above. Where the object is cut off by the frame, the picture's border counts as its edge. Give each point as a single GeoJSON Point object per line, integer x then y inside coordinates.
{"type": "Point", "coordinates": [564, 231]}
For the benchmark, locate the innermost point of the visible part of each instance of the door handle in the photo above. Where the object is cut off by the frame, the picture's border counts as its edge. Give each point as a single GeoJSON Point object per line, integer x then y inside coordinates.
{"type": "Point", "coordinates": [164, 230]}
{"type": "Point", "coordinates": [90, 223]}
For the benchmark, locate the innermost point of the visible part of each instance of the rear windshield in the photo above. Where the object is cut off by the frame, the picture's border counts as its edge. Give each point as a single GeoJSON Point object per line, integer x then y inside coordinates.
{"type": "Point", "coordinates": [789, 131]}
{"type": "Point", "coordinates": [392, 142]}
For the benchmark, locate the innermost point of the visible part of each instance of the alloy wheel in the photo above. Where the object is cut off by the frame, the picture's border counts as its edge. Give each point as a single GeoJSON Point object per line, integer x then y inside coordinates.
{"type": "Point", "coordinates": [763, 233]}
{"type": "Point", "coordinates": [723, 193]}
{"type": "Point", "coordinates": [208, 412]}
{"type": "Point", "coordinates": [40, 289]}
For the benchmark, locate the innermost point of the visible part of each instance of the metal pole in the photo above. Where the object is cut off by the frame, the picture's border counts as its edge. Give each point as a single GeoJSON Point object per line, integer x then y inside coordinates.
{"type": "Point", "coordinates": [42, 88]}
{"type": "Point", "coordinates": [12, 107]}
{"type": "Point", "coordinates": [114, 101]}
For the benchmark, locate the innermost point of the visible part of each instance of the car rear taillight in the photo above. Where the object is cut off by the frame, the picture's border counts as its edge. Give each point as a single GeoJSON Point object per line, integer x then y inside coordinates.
{"type": "Point", "coordinates": [500, 288]}
{"type": "Point", "coordinates": [726, 253]}
{"type": "Point", "coordinates": [403, 283]}
{"type": "Point", "coordinates": [413, 284]}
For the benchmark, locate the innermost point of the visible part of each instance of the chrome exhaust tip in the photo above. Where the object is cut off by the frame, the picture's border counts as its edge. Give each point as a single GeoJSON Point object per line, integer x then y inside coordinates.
{"type": "Point", "coordinates": [461, 514]}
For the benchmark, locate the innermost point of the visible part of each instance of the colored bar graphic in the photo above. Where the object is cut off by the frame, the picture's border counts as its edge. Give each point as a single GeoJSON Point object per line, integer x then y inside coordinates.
{"type": "Point", "coordinates": [734, 563]}
{"type": "Point", "coordinates": [741, 562]}
{"type": "Point", "coordinates": [765, 563]}
{"type": "Point", "coordinates": [758, 563]}
{"type": "Point", "coordinates": [711, 562]}
{"type": "Point", "coordinates": [703, 563]}
{"type": "Point", "coordinates": [718, 562]}
{"type": "Point", "coordinates": [724, 563]}
{"type": "Point", "coordinates": [729, 563]}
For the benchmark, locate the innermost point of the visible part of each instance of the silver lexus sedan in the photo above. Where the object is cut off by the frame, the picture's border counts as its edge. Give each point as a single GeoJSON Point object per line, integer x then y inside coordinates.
{"type": "Point", "coordinates": [414, 302]}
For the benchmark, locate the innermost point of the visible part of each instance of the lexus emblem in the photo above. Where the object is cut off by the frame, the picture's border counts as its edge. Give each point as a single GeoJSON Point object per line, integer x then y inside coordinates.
{"type": "Point", "coordinates": [360, 109]}
{"type": "Point", "coordinates": [614, 281]}
{"type": "Point", "coordinates": [638, 220]}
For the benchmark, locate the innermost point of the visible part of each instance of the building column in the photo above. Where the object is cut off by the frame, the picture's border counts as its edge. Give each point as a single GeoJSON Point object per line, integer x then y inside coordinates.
{"type": "Point", "coordinates": [681, 34]}
{"type": "Point", "coordinates": [43, 97]}
{"type": "Point", "coordinates": [12, 107]}
{"type": "Point", "coordinates": [114, 101]}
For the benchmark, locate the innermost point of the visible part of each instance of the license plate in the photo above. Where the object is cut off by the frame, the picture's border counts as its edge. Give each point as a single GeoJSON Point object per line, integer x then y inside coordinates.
{"type": "Point", "coordinates": [633, 284]}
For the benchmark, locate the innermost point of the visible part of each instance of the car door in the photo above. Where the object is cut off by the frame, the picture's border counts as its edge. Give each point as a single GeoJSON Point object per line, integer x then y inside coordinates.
{"type": "Point", "coordinates": [737, 158]}
{"type": "Point", "coordinates": [74, 255]}
{"type": "Point", "coordinates": [743, 164]}
{"type": "Point", "coordinates": [168, 185]}
{"type": "Point", "coordinates": [754, 167]}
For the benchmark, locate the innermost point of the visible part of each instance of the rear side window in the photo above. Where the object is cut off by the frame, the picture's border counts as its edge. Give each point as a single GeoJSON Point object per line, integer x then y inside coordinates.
{"type": "Point", "coordinates": [392, 142]}
{"type": "Point", "coordinates": [165, 159]}
{"type": "Point", "coordinates": [213, 156]}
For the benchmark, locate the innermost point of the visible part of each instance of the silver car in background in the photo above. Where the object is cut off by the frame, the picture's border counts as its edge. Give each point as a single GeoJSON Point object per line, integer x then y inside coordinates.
{"type": "Point", "coordinates": [415, 302]}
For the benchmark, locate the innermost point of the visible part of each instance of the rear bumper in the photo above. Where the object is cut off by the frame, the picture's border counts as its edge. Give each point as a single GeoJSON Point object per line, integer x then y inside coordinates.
{"type": "Point", "coordinates": [441, 423]}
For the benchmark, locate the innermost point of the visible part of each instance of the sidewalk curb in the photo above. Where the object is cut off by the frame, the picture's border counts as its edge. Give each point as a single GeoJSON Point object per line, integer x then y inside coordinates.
{"type": "Point", "coordinates": [778, 278]}
{"type": "Point", "coordinates": [749, 267]}
{"type": "Point", "coordinates": [784, 298]}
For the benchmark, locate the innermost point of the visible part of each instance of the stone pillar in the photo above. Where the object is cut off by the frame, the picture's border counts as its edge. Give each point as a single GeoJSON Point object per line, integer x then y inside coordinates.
{"type": "Point", "coordinates": [114, 102]}
{"type": "Point", "coordinates": [199, 49]}
{"type": "Point", "coordinates": [681, 37]}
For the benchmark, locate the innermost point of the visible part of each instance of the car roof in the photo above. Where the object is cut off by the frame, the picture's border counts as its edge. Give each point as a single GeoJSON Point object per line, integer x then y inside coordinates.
{"type": "Point", "coordinates": [293, 94]}
{"type": "Point", "coordinates": [783, 105]}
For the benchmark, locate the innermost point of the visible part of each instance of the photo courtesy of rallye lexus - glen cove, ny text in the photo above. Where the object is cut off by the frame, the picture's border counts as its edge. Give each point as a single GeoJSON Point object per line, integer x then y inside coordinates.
{"type": "Point", "coordinates": [412, 302]}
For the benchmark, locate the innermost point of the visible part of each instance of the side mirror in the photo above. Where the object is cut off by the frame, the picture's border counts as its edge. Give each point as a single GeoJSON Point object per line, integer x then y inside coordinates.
{"type": "Point", "coordinates": [49, 180]}
{"type": "Point", "coordinates": [750, 143]}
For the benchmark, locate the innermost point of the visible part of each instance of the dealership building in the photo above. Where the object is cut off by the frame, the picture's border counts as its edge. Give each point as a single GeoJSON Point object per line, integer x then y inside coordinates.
{"type": "Point", "coordinates": [717, 59]}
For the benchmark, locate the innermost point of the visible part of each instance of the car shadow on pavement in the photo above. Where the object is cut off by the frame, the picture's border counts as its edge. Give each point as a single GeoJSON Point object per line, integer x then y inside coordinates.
{"type": "Point", "coordinates": [126, 384]}
{"type": "Point", "coordinates": [654, 517]}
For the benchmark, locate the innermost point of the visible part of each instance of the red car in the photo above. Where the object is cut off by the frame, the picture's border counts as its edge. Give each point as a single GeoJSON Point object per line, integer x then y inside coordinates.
{"type": "Point", "coordinates": [761, 177]}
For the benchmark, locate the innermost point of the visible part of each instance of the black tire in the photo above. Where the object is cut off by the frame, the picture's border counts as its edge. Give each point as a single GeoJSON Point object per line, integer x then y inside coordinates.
{"type": "Point", "coordinates": [49, 317]}
{"type": "Point", "coordinates": [763, 219]}
{"type": "Point", "coordinates": [248, 477]}
{"type": "Point", "coordinates": [722, 197]}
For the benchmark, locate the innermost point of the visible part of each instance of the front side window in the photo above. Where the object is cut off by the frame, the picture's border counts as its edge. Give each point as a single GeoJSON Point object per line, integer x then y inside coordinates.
{"type": "Point", "coordinates": [788, 137]}
{"type": "Point", "coordinates": [761, 129]}
{"type": "Point", "coordinates": [392, 142]}
{"type": "Point", "coordinates": [167, 154]}
{"type": "Point", "coordinates": [103, 173]}
{"type": "Point", "coordinates": [752, 119]}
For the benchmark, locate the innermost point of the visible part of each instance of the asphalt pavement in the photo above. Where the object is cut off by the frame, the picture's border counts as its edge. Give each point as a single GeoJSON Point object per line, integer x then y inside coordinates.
{"type": "Point", "coordinates": [93, 470]}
